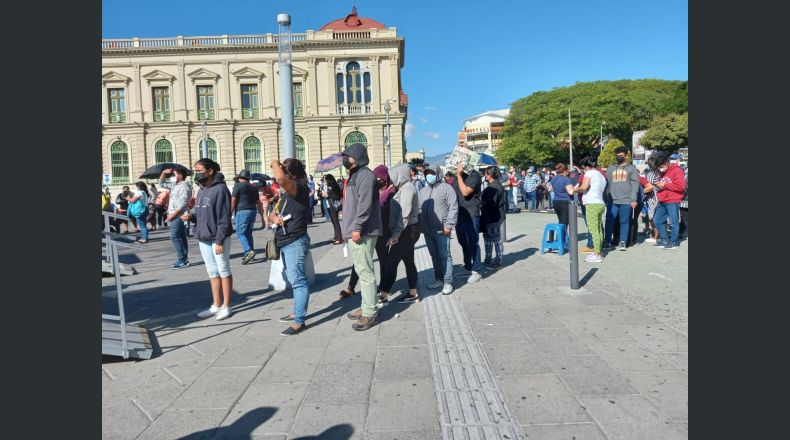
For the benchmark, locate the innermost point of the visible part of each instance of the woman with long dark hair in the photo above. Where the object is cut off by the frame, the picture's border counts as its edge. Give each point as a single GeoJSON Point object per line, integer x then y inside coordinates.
{"type": "Point", "coordinates": [213, 231]}
{"type": "Point", "coordinates": [290, 215]}
{"type": "Point", "coordinates": [140, 196]}
{"type": "Point", "coordinates": [334, 198]}
{"type": "Point", "coordinates": [563, 188]}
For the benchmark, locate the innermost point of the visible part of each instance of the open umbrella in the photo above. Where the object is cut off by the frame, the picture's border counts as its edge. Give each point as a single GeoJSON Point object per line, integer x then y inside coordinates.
{"type": "Point", "coordinates": [259, 179]}
{"type": "Point", "coordinates": [329, 163]}
{"type": "Point", "coordinates": [155, 171]}
{"type": "Point", "coordinates": [486, 159]}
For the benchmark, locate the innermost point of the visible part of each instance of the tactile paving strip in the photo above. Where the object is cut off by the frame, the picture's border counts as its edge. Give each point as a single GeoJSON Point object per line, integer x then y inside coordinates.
{"type": "Point", "coordinates": [471, 402]}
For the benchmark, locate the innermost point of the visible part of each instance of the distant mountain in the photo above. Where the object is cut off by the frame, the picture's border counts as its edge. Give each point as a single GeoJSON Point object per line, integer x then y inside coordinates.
{"type": "Point", "coordinates": [438, 159]}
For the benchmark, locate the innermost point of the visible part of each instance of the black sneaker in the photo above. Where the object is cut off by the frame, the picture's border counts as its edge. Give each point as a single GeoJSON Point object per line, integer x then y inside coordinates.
{"type": "Point", "coordinates": [672, 245]}
{"type": "Point", "coordinates": [660, 243]}
{"type": "Point", "coordinates": [287, 318]}
{"type": "Point", "coordinates": [179, 265]}
{"type": "Point", "coordinates": [289, 331]}
{"type": "Point", "coordinates": [408, 299]}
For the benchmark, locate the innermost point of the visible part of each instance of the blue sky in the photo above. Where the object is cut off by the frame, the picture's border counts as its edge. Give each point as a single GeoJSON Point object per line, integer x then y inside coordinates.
{"type": "Point", "coordinates": [462, 57]}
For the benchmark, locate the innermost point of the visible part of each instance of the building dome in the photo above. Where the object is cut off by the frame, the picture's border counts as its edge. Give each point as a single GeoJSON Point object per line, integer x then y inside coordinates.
{"type": "Point", "coordinates": [353, 22]}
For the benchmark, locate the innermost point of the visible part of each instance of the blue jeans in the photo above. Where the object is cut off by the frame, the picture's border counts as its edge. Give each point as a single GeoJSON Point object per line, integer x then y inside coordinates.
{"type": "Point", "coordinates": [589, 235]}
{"type": "Point", "coordinates": [293, 255]}
{"type": "Point", "coordinates": [468, 231]}
{"type": "Point", "coordinates": [142, 219]}
{"type": "Point", "coordinates": [671, 210]}
{"type": "Point", "coordinates": [624, 214]}
{"type": "Point", "coordinates": [531, 196]}
{"type": "Point", "coordinates": [245, 220]}
{"type": "Point", "coordinates": [326, 208]}
{"type": "Point", "coordinates": [439, 247]}
{"type": "Point", "coordinates": [551, 199]}
{"type": "Point", "coordinates": [178, 235]}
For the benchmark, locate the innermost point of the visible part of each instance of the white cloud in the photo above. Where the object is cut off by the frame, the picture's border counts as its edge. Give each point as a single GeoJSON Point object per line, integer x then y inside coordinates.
{"type": "Point", "coordinates": [424, 120]}
{"type": "Point", "coordinates": [431, 135]}
{"type": "Point", "coordinates": [431, 109]}
{"type": "Point", "coordinates": [410, 129]}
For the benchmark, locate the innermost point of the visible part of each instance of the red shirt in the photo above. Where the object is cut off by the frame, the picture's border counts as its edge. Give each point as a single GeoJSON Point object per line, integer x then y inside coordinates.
{"type": "Point", "coordinates": [675, 187]}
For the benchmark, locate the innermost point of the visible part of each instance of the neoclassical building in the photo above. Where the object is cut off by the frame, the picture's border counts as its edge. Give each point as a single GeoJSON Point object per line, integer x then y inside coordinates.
{"type": "Point", "coordinates": [157, 93]}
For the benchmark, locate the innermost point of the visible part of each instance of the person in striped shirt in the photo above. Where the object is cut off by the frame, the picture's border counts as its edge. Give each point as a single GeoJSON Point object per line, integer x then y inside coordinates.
{"type": "Point", "coordinates": [531, 183]}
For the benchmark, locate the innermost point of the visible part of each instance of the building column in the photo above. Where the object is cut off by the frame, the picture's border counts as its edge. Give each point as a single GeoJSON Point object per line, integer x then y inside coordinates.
{"type": "Point", "coordinates": [269, 109]}
{"type": "Point", "coordinates": [227, 111]}
{"type": "Point", "coordinates": [183, 113]}
{"type": "Point", "coordinates": [375, 91]}
{"type": "Point", "coordinates": [136, 113]}
{"type": "Point", "coordinates": [394, 82]}
{"type": "Point", "coordinates": [330, 67]}
{"type": "Point", "coordinates": [312, 89]}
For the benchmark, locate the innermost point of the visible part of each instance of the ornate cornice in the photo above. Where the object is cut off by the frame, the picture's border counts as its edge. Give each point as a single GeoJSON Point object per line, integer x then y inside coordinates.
{"type": "Point", "coordinates": [158, 75]}
{"type": "Point", "coordinates": [265, 48]}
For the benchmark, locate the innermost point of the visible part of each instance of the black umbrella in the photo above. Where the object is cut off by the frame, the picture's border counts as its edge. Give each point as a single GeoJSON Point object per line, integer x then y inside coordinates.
{"type": "Point", "coordinates": [155, 171]}
{"type": "Point", "coordinates": [260, 178]}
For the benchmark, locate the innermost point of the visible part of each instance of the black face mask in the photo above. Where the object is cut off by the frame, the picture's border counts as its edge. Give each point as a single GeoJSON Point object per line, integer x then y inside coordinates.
{"type": "Point", "coordinates": [381, 184]}
{"type": "Point", "coordinates": [201, 178]}
{"type": "Point", "coordinates": [347, 162]}
{"type": "Point", "coordinates": [620, 159]}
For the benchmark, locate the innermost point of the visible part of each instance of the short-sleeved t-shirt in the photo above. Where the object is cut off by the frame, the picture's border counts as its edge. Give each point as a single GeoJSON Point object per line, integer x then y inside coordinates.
{"type": "Point", "coordinates": [247, 196]}
{"type": "Point", "coordinates": [470, 203]}
{"type": "Point", "coordinates": [297, 207]}
{"type": "Point", "coordinates": [558, 183]}
{"type": "Point", "coordinates": [594, 193]}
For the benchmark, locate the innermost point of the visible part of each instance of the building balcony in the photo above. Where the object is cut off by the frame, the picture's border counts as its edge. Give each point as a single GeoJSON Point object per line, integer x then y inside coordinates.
{"type": "Point", "coordinates": [117, 118]}
{"type": "Point", "coordinates": [161, 116]}
{"type": "Point", "coordinates": [353, 109]}
{"type": "Point", "coordinates": [243, 40]}
{"type": "Point", "coordinates": [205, 115]}
{"type": "Point", "coordinates": [298, 112]}
{"type": "Point", "coordinates": [249, 113]}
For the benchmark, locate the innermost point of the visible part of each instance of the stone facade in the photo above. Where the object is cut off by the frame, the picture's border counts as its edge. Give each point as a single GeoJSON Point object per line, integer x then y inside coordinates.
{"type": "Point", "coordinates": [179, 66]}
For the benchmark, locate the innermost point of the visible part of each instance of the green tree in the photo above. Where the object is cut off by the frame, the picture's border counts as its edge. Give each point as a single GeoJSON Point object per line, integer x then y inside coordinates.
{"type": "Point", "coordinates": [536, 130]}
{"type": "Point", "coordinates": [607, 156]}
{"type": "Point", "coordinates": [667, 133]}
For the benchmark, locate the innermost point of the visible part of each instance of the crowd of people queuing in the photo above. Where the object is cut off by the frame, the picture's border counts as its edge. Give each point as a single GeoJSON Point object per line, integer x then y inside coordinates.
{"type": "Point", "coordinates": [384, 212]}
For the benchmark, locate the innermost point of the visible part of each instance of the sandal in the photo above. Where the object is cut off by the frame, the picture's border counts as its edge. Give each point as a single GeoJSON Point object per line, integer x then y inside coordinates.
{"type": "Point", "coordinates": [344, 294]}
{"type": "Point", "coordinates": [383, 299]}
{"type": "Point", "coordinates": [337, 242]}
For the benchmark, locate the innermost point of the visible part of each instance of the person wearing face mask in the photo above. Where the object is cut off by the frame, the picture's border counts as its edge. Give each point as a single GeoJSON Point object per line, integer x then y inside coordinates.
{"type": "Point", "coordinates": [531, 184]}
{"type": "Point", "coordinates": [671, 188]}
{"type": "Point", "coordinates": [361, 228]}
{"type": "Point", "coordinates": [213, 231]}
{"type": "Point", "coordinates": [493, 210]}
{"type": "Point", "coordinates": [438, 216]}
{"type": "Point", "coordinates": [623, 188]}
{"type": "Point", "coordinates": [180, 192]}
{"type": "Point", "coordinates": [416, 177]}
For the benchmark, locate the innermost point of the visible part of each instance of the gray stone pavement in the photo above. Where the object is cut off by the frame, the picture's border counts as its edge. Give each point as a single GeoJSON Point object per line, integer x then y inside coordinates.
{"type": "Point", "coordinates": [609, 361]}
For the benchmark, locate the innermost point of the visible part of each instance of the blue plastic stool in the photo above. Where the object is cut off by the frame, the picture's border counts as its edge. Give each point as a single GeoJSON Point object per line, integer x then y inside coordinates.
{"type": "Point", "coordinates": [560, 241]}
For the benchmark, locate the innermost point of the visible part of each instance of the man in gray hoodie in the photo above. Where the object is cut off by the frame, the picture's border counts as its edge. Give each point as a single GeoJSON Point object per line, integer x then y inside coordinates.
{"type": "Point", "coordinates": [361, 228]}
{"type": "Point", "coordinates": [438, 216]}
{"type": "Point", "coordinates": [623, 187]}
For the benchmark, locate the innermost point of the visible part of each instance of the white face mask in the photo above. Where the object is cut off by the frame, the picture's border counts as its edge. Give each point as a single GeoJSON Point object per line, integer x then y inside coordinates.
{"type": "Point", "coordinates": [173, 179]}
{"type": "Point", "coordinates": [663, 169]}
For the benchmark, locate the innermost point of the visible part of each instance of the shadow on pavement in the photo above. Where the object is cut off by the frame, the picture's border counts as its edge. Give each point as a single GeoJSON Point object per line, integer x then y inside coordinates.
{"type": "Point", "coordinates": [240, 429]}
{"type": "Point", "coordinates": [590, 273]}
{"type": "Point", "coordinates": [515, 238]}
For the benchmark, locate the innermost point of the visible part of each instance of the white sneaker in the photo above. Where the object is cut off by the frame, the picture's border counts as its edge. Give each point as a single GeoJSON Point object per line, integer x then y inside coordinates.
{"type": "Point", "coordinates": [211, 311]}
{"type": "Point", "coordinates": [475, 277]}
{"type": "Point", "coordinates": [223, 313]}
{"type": "Point", "coordinates": [448, 289]}
{"type": "Point", "coordinates": [592, 258]}
{"type": "Point", "coordinates": [435, 284]}
{"type": "Point", "coordinates": [650, 240]}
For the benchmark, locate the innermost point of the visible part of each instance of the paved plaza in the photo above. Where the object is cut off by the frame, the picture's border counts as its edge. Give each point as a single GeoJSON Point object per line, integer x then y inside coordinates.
{"type": "Point", "coordinates": [517, 355]}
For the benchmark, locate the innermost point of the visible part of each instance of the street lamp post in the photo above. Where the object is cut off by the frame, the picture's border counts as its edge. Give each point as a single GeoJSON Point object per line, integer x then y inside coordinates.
{"type": "Point", "coordinates": [600, 141]}
{"type": "Point", "coordinates": [387, 109]}
{"type": "Point", "coordinates": [284, 50]}
{"type": "Point", "coordinates": [204, 147]}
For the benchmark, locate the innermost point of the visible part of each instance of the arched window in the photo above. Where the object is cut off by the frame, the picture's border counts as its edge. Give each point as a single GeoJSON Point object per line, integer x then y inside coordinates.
{"type": "Point", "coordinates": [212, 149]}
{"type": "Point", "coordinates": [252, 154]}
{"type": "Point", "coordinates": [356, 137]}
{"type": "Point", "coordinates": [119, 162]}
{"type": "Point", "coordinates": [163, 151]}
{"type": "Point", "coordinates": [299, 147]}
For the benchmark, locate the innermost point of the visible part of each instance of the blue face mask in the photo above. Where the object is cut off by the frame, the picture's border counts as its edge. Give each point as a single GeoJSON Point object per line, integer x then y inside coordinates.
{"type": "Point", "coordinates": [430, 178]}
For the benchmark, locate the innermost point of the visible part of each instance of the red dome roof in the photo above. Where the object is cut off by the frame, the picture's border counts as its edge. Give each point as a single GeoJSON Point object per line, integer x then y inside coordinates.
{"type": "Point", "coordinates": [353, 21]}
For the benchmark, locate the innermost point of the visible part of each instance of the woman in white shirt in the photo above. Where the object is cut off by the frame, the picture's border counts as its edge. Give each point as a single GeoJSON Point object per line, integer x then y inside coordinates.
{"type": "Point", "coordinates": [593, 186]}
